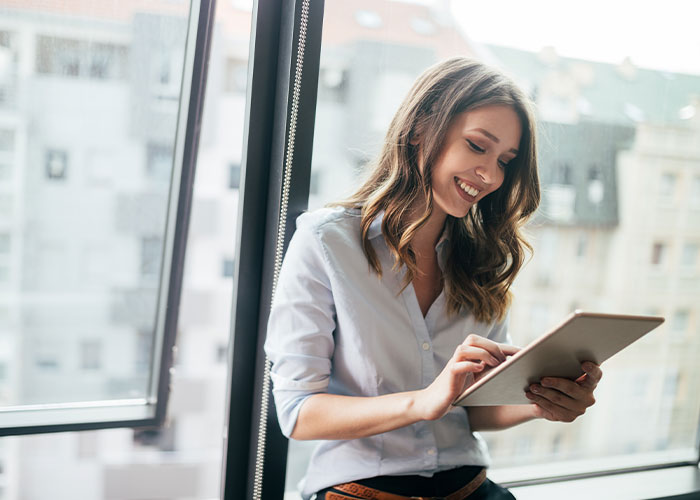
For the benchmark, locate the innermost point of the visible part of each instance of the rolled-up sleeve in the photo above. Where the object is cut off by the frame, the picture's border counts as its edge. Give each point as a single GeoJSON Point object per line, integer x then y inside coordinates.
{"type": "Point", "coordinates": [499, 331]}
{"type": "Point", "coordinates": [300, 328]}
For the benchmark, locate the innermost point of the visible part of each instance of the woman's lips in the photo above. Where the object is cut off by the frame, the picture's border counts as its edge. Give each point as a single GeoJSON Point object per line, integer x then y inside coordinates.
{"type": "Point", "coordinates": [462, 192]}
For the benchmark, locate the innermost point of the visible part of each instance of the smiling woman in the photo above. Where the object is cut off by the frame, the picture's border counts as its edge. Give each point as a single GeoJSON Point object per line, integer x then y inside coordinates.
{"type": "Point", "coordinates": [390, 303]}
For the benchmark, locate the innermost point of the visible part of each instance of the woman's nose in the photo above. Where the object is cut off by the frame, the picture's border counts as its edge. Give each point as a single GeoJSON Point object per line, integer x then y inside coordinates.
{"type": "Point", "coordinates": [487, 174]}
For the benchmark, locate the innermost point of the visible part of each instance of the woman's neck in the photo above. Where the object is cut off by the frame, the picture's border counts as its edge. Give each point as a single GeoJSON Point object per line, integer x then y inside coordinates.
{"type": "Point", "coordinates": [428, 234]}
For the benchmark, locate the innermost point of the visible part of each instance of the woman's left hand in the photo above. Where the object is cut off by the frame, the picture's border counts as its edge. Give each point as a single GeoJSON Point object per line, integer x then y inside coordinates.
{"type": "Point", "coordinates": [563, 400]}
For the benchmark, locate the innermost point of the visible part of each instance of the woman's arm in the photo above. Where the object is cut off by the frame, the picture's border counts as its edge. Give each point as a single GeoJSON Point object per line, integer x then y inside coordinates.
{"type": "Point", "coordinates": [330, 416]}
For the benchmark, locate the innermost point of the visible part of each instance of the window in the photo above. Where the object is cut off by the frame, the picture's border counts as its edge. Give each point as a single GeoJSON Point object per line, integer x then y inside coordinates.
{"type": "Point", "coordinates": [689, 257]}
{"type": "Point", "coordinates": [80, 58]}
{"type": "Point", "coordinates": [151, 247]}
{"type": "Point", "coordinates": [91, 354]}
{"type": "Point", "coordinates": [695, 192]}
{"type": "Point", "coordinates": [667, 187]}
{"type": "Point", "coordinates": [234, 175]}
{"type": "Point", "coordinates": [658, 254]}
{"type": "Point", "coordinates": [7, 141]}
{"type": "Point", "coordinates": [159, 161]}
{"type": "Point", "coordinates": [92, 236]}
{"type": "Point", "coordinates": [228, 266]}
{"type": "Point", "coordinates": [679, 324]}
{"type": "Point", "coordinates": [581, 245]}
{"type": "Point", "coordinates": [56, 164]}
{"type": "Point", "coordinates": [596, 188]}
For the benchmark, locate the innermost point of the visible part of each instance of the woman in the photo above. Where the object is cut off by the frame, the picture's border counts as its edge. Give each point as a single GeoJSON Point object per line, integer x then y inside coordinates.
{"type": "Point", "coordinates": [392, 302]}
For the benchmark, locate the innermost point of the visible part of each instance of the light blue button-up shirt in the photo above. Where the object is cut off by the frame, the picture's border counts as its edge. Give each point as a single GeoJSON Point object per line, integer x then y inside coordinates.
{"type": "Point", "coordinates": [336, 327]}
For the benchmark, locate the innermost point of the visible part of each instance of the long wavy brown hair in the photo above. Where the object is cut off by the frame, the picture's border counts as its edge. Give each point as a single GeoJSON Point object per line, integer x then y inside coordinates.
{"type": "Point", "coordinates": [486, 247]}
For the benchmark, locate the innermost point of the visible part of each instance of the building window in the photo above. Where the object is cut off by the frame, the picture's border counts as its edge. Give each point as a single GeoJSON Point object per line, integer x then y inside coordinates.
{"type": "Point", "coordinates": [332, 84]}
{"type": "Point", "coordinates": [80, 59]}
{"type": "Point", "coordinates": [695, 192]}
{"type": "Point", "coordinates": [7, 141]}
{"type": "Point", "coordinates": [581, 245]}
{"type": "Point", "coordinates": [596, 188]}
{"type": "Point", "coordinates": [658, 253]}
{"type": "Point", "coordinates": [5, 170]}
{"type": "Point", "coordinates": [4, 244]}
{"type": "Point", "coordinates": [228, 268]}
{"type": "Point", "coordinates": [222, 353]}
{"type": "Point", "coordinates": [90, 355]}
{"type": "Point", "coordinates": [689, 257]}
{"type": "Point", "coordinates": [56, 164]}
{"type": "Point", "coordinates": [667, 187]}
{"type": "Point", "coordinates": [314, 182]}
{"type": "Point", "coordinates": [143, 354]}
{"type": "Point", "coordinates": [151, 247]}
{"type": "Point", "coordinates": [234, 175]}
{"type": "Point", "coordinates": [562, 174]}
{"type": "Point", "coordinates": [159, 161]}
{"type": "Point", "coordinates": [679, 324]}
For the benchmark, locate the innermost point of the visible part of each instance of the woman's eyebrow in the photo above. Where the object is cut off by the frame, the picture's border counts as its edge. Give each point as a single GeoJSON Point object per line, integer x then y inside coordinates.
{"type": "Point", "coordinates": [493, 138]}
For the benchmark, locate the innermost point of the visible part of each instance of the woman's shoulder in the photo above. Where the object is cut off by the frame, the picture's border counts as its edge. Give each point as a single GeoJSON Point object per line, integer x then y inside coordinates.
{"type": "Point", "coordinates": [329, 221]}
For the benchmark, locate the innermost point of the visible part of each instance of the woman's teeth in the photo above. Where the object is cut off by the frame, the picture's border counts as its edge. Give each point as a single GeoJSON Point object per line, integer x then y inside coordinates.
{"type": "Point", "coordinates": [468, 189]}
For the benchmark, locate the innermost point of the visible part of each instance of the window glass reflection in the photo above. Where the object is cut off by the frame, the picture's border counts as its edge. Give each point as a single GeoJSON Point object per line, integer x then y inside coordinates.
{"type": "Point", "coordinates": [89, 94]}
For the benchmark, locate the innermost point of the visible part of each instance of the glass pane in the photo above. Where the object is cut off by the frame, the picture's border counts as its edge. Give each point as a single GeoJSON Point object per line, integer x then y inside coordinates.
{"type": "Point", "coordinates": [181, 460]}
{"type": "Point", "coordinates": [618, 225]}
{"type": "Point", "coordinates": [89, 98]}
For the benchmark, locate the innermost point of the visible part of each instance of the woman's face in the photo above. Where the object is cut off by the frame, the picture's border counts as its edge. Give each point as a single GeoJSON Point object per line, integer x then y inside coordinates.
{"type": "Point", "coordinates": [478, 146]}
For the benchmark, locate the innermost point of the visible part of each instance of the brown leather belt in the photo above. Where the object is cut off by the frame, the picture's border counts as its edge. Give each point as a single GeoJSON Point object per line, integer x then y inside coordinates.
{"type": "Point", "coordinates": [364, 492]}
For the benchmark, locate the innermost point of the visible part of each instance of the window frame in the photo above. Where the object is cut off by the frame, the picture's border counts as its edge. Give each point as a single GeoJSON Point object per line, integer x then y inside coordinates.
{"type": "Point", "coordinates": [151, 410]}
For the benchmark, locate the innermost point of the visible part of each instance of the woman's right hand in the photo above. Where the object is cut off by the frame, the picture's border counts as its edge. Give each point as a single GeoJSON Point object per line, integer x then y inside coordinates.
{"type": "Point", "coordinates": [469, 361]}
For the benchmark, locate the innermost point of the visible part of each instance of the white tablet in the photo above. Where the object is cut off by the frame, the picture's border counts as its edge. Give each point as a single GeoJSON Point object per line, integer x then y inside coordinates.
{"type": "Point", "coordinates": [582, 336]}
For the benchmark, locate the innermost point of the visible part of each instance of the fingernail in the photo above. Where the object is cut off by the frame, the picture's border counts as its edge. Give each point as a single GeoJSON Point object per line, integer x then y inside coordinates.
{"type": "Point", "coordinates": [535, 389]}
{"type": "Point", "coordinates": [545, 382]}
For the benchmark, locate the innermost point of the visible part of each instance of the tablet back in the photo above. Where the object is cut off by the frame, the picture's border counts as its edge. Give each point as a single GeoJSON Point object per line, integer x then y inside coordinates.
{"type": "Point", "coordinates": [582, 336]}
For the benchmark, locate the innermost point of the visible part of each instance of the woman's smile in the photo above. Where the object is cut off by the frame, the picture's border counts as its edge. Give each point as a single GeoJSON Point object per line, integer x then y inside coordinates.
{"type": "Point", "coordinates": [466, 191]}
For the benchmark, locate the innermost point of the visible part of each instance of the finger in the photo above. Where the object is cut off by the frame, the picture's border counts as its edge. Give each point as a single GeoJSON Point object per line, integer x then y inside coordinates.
{"type": "Point", "coordinates": [509, 349]}
{"type": "Point", "coordinates": [556, 413]}
{"type": "Point", "coordinates": [492, 347]}
{"type": "Point", "coordinates": [568, 387]}
{"type": "Point", "coordinates": [463, 353]}
{"type": "Point", "coordinates": [466, 367]}
{"type": "Point", "coordinates": [593, 374]}
{"type": "Point", "coordinates": [559, 398]}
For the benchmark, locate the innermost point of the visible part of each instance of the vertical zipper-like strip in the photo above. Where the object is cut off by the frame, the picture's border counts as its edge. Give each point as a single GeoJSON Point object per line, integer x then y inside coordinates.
{"type": "Point", "coordinates": [279, 249]}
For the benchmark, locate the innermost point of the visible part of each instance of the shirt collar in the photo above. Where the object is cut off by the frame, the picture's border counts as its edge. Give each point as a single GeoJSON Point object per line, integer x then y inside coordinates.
{"type": "Point", "coordinates": [375, 229]}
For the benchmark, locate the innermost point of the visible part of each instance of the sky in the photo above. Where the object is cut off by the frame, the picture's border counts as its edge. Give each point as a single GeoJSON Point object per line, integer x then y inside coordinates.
{"type": "Point", "coordinates": [662, 35]}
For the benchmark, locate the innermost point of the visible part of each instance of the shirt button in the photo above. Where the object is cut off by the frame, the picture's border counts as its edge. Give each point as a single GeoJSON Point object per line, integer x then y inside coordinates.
{"type": "Point", "coordinates": [431, 451]}
{"type": "Point", "coordinates": [426, 346]}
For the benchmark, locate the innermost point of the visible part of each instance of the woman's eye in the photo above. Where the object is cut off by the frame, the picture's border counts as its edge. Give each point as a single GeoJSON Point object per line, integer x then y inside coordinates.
{"type": "Point", "coordinates": [503, 164]}
{"type": "Point", "coordinates": [475, 147]}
